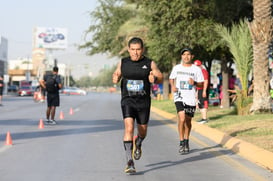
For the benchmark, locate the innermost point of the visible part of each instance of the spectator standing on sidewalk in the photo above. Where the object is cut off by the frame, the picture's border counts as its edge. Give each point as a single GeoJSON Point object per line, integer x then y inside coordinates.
{"type": "Point", "coordinates": [202, 93]}
{"type": "Point", "coordinates": [1, 89]}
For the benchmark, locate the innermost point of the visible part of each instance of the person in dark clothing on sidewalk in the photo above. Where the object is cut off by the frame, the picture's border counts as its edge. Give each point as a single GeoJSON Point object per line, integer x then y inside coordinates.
{"type": "Point", "coordinates": [1, 89]}
{"type": "Point", "coordinates": [203, 93]}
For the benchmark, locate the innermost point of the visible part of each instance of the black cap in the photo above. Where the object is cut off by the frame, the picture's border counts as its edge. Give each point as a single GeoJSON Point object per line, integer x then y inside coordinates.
{"type": "Point", "coordinates": [184, 50]}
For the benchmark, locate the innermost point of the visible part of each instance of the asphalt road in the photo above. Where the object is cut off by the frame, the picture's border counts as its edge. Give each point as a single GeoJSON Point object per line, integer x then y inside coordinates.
{"type": "Point", "coordinates": [87, 146]}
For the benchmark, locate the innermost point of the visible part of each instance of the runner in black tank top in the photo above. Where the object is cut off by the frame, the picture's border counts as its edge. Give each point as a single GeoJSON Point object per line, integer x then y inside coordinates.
{"type": "Point", "coordinates": [136, 73]}
{"type": "Point", "coordinates": [135, 77]}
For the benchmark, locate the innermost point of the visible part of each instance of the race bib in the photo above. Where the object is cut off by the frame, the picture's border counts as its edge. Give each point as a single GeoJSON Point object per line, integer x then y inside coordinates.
{"type": "Point", "coordinates": [184, 85]}
{"type": "Point", "coordinates": [135, 87]}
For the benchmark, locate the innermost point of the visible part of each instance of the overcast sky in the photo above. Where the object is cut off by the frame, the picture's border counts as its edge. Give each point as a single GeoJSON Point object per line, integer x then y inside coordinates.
{"type": "Point", "coordinates": [19, 17]}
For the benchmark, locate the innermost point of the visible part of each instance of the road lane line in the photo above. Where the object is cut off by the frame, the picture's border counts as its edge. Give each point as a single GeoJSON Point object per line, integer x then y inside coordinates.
{"type": "Point", "coordinates": [5, 148]}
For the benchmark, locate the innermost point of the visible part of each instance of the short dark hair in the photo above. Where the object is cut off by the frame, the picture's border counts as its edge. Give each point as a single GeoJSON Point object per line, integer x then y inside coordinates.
{"type": "Point", "coordinates": [55, 69]}
{"type": "Point", "coordinates": [135, 40]}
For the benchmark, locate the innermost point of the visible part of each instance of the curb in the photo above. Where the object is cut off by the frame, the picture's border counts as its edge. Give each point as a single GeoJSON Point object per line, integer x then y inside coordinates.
{"type": "Point", "coordinates": [247, 150]}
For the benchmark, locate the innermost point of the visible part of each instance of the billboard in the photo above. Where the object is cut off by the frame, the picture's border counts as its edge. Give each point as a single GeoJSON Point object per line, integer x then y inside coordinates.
{"type": "Point", "coordinates": [50, 38]}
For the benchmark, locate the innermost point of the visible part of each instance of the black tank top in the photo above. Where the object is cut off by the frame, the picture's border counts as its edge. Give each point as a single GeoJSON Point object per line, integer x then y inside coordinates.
{"type": "Point", "coordinates": [135, 81]}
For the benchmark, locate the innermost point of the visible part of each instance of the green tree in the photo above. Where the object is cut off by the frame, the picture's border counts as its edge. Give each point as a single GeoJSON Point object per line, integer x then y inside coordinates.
{"type": "Point", "coordinates": [227, 13]}
{"type": "Point", "coordinates": [238, 39]}
{"type": "Point", "coordinates": [85, 81]}
{"type": "Point", "coordinates": [101, 36]}
{"type": "Point", "coordinates": [174, 25]}
{"type": "Point", "coordinates": [232, 11]}
{"type": "Point", "coordinates": [170, 25]}
{"type": "Point", "coordinates": [103, 79]}
{"type": "Point", "coordinates": [135, 26]}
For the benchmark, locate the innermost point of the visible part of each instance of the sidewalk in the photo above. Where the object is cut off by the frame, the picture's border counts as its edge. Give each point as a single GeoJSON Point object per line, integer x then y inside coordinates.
{"type": "Point", "coordinates": [249, 151]}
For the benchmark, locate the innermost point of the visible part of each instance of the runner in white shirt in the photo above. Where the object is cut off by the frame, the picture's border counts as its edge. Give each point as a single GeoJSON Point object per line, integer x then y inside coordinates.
{"type": "Point", "coordinates": [183, 80]}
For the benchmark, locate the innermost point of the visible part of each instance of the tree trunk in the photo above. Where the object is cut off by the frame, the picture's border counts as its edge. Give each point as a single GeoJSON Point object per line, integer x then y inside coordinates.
{"type": "Point", "coordinates": [224, 68]}
{"type": "Point", "coordinates": [261, 32]}
{"type": "Point", "coordinates": [261, 97]}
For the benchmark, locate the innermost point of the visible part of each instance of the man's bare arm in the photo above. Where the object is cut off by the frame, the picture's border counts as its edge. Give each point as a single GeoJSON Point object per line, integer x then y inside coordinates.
{"type": "Point", "coordinates": [117, 74]}
{"type": "Point", "coordinates": [155, 75]}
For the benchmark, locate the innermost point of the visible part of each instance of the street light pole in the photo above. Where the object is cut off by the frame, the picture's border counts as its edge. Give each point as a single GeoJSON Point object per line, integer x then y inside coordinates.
{"type": "Point", "coordinates": [28, 71]}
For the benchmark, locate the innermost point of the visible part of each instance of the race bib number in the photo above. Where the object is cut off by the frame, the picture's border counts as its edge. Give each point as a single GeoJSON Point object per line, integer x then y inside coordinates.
{"type": "Point", "coordinates": [184, 85]}
{"type": "Point", "coordinates": [135, 87]}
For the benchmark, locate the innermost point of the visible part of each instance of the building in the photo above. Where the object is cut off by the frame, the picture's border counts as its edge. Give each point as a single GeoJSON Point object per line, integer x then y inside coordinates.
{"type": "Point", "coordinates": [3, 56]}
{"type": "Point", "coordinates": [29, 69]}
{"type": "Point", "coordinates": [20, 69]}
{"type": "Point", "coordinates": [3, 61]}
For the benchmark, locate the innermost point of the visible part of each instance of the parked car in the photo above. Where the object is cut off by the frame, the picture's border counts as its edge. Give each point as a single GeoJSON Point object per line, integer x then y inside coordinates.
{"type": "Point", "coordinates": [73, 91]}
{"type": "Point", "coordinates": [25, 91]}
{"type": "Point", "coordinates": [13, 88]}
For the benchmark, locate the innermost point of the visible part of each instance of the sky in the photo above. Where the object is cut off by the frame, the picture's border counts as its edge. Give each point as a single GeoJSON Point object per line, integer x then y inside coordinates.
{"type": "Point", "coordinates": [19, 17]}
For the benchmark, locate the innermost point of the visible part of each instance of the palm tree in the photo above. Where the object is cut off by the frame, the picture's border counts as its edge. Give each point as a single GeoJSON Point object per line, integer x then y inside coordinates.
{"type": "Point", "coordinates": [238, 40]}
{"type": "Point", "coordinates": [261, 32]}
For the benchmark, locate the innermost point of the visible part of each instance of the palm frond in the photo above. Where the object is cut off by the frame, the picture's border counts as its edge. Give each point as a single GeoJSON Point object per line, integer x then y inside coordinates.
{"type": "Point", "coordinates": [238, 39]}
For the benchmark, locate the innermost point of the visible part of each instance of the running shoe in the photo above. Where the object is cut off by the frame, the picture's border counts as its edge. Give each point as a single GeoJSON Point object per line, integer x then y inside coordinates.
{"type": "Point", "coordinates": [202, 121]}
{"type": "Point", "coordinates": [187, 148]}
{"type": "Point", "coordinates": [182, 148]}
{"type": "Point", "coordinates": [52, 122]}
{"type": "Point", "coordinates": [136, 150]}
{"type": "Point", "coordinates": [130, 168]}
{"type": "Point", "coordinates": [47, 121]}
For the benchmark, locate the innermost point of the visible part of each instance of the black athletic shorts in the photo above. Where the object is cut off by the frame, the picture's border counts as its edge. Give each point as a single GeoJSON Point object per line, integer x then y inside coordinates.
{"type": "Point", "coordinates": [137, 108]}
{"type": "Point", "coordinates": [53, 100]}
{"type": "Point", "coordinates": [181, 106]}
{"type": "Point", "coordinates": [202, 101]}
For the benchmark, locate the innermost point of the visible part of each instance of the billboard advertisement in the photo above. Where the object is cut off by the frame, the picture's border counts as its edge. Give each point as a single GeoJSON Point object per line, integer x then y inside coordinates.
{"type": "Point", "coordinates": [50, 38]}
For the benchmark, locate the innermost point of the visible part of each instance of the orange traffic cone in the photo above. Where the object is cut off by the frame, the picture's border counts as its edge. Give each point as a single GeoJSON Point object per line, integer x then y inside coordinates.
{"type": "Point", "coordinates": [71, 112]}
{"type": "Point", "coordinates": [41, 124]}
{"type": "Point", "coordinates": [61, 115]}
{"type": "Point", "coordinates": [8, 139]}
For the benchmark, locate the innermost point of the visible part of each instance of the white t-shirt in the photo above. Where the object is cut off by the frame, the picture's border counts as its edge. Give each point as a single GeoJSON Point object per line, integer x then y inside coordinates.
{"type": "Point", "coordinates": [186, 92]}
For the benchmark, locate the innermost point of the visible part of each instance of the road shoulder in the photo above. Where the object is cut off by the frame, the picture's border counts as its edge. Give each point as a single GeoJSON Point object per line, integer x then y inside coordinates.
{"type": "Point", "coordinates": [247, 150]}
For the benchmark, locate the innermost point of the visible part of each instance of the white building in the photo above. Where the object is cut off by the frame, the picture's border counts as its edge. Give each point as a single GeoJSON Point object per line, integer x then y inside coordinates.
{"type": "Point", "coordinates": [24, 69]}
